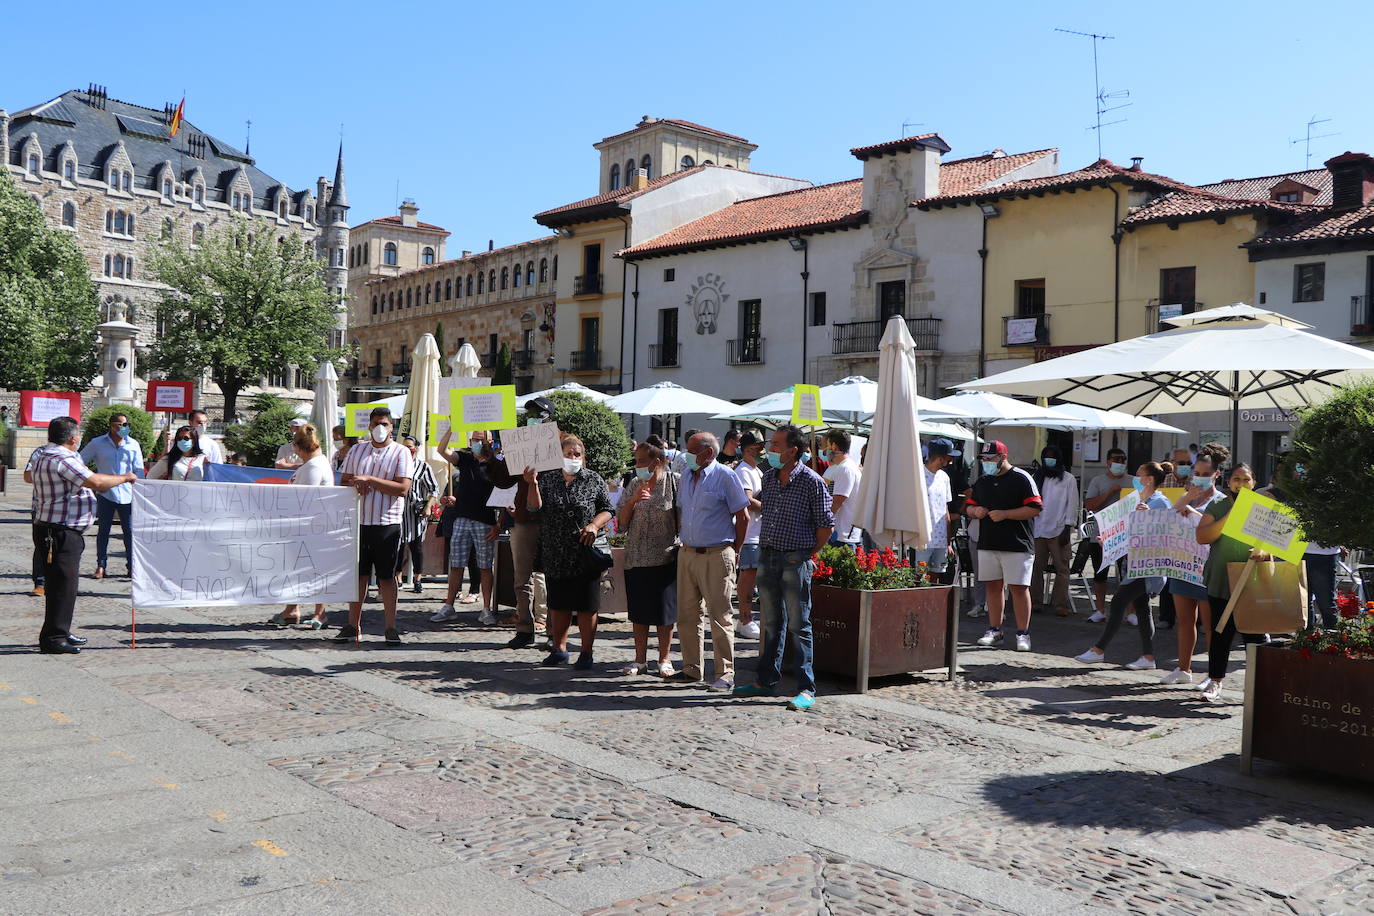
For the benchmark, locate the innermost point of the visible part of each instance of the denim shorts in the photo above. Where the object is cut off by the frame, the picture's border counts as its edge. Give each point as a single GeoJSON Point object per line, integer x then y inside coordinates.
{"type": "Point", "coordinates": [749, 556]}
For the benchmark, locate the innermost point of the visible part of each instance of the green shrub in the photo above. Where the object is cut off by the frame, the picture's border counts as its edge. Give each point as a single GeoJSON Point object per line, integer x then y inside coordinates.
{"type": "Point", "coordinates": [609, 449]}
{"type": "Point", "coordinates": [141, 428]}
{"type": "Point", "coordinates": [1328, 476]}
{"type": "Point", "coordinates": [260, 437]}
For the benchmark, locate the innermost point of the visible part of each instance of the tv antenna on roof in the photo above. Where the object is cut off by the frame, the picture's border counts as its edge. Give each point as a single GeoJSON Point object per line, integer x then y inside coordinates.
{"type": "Point", "coordinates": [1103, 97]}
{"type": "Point", "coordinates": [907, 125]}
{"type": "Point", "coordinates": [1307, 139]}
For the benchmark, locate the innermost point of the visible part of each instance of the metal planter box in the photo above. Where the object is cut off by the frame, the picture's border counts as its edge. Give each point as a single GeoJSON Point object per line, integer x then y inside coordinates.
{"type": "Point", "coordinates": [866, 634]}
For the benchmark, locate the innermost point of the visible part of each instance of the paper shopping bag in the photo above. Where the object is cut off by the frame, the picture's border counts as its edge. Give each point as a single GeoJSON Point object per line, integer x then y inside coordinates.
{"type": "Point", "coordinates": [1268, 596]}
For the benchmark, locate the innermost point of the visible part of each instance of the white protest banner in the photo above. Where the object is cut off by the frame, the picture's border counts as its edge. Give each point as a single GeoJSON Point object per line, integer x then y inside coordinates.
{"type": "Point", "coordinates": [1111, 527]}
{"type": "Point", "coordinates": [502, 499]}
{"type": "Point", "coordinates": [224, 544]}
{"type": "Point", "coordinates": [532, 447]}
{"type": "Point", "coordinates": [1161, 542]}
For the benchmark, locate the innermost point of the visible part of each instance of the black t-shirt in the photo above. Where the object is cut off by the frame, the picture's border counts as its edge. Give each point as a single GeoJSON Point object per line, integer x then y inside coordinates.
{"type": "Point", "coordinates": [1011, 490]}
{"type": "Point", "coordinates": [471, 489]}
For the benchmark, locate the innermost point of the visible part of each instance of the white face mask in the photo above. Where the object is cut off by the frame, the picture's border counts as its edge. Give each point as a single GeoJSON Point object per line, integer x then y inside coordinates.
{"type": "Point", "coordinates": [572, 465]}
{"type": "Point", "coordinates": [381, 433]}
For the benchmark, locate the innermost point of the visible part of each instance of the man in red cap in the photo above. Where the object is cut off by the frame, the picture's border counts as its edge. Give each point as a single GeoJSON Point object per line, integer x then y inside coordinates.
{"type": "Point", "coordinates": [1006, 499]}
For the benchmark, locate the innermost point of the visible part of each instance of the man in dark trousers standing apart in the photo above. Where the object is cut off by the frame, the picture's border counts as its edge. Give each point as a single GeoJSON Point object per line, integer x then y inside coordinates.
{"type": "Point", "coordinates": [63, 508]}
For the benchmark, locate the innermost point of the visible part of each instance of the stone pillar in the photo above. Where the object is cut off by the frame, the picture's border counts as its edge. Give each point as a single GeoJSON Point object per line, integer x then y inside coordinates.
{"type": "Point", "coordinates": [117, 357]}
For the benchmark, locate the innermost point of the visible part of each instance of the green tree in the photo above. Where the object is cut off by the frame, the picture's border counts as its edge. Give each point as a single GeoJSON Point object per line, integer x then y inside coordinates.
{"type": "Point", "coordinates": [259, 438]}
{"type": "Point", "coordinates": [243, 305]}
{"type": "Point", "coordinates": [142, 426]}
{"type": "Point", "coordinates": [600, 429]}
{"type": "Point", "coordinates": [1328, 473]}
{"type": "Point", "coordinates": [503, 373]}
{"type": "Point", "coordinates": [439, 339]}
{"type": "Point", "coordinates": [48, 305]}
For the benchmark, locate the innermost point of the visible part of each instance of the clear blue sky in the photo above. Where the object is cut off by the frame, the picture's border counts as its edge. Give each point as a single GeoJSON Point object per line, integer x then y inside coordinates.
{"type": "Point", "coordinates": [485, 112]}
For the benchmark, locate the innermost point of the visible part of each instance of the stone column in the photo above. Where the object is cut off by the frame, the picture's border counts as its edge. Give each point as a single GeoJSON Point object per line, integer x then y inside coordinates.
{"type": "Point", "coordinates": [117, 357]}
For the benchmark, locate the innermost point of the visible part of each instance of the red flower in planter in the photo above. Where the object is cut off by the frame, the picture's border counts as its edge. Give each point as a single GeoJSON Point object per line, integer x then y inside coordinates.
{"type": "Point", "coordinates": [1305, 653]}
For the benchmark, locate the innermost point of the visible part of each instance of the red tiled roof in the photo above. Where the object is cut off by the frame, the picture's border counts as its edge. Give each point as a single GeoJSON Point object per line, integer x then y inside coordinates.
{"type": "Point", "coordinates": [1183, 205]}
{"type": "Point", "coordinates": [831, 206]}
{"type": "Point", "coordinates": [396, 221]}
{"type": "Point", "coordinates": [1258, 188]}
{"type": "Point", "coordinates": [901, 146]}
{"type": "Point", "coordinates": [1101, 172]}
{"type": "Point", "coordinates": [1319, 225]}
{"type": "Point", "coordinates": [680, 123]}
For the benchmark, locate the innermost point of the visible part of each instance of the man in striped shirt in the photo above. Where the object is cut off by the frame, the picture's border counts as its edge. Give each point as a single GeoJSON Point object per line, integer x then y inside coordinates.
{"type": "Point", "coordinates": [63, 506]}
{"type": "Point", "coordinates": [380, 469]}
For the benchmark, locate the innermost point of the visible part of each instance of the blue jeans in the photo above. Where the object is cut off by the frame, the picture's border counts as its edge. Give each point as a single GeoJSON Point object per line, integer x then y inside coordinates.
{"type": "Point", "coordinates": [1321, 585]}
{"type": "Point", "coordinates": [105, 510]}
{"type": "Point", "coordinates": [785, 603]}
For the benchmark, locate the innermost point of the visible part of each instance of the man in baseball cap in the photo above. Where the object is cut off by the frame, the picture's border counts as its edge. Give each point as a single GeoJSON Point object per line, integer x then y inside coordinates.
{"type": "Point", "coordinates": [1005, 499]}
{"type": "Point", "coordinates": [286, 454]}
{"type": "Point", "coordinates": [939, 496]}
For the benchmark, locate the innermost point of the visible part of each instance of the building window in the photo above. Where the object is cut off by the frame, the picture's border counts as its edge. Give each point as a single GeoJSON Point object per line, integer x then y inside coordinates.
{"type": "Point", "coordinates": [69, 215]}
{"type": "Point", "coordinates": [1178, 286]}
{"type": "Point", "coordinates": [469, 286]}
{"type": "Point", "coordinates": [427, 256]}
{"type": "Point", "coordinates": [629, 171]}
{"type": "Point", "coordinates": [647, 165]}
{"type": "Point", "coordinates": [33, 164]}
{"type": "Point", "coordinates": [669, 274]}
{"type": "Point", "coordinates": [389, 254]}
{"type": "Point", "coordinates": [114, 180]}
{"type": "Point", "coordinates": [281, 211]}
{"type": "Point", "coordinates": [128, 182]}
{"type": "Point", "coordinates": [505, 276]}
{"type": "Point", "coordinates": [374, 305]}
{"type": "Point", "coordinates": [1309, 282]}
{"type": "Point", "coordinates": [491, 282]}
{"type": "Point", "coordinates": [543, 270]}
{"type": "Point", "coordinates": [339, 254]}
{"type": "Point", "coordinates": [687, 162]}
{"type": "Point", "coordinates": [352, 256]}
{"type": "Point", "coordinates": [615, 176]}
{"type": "Point", "coordinates": [555, 268]}
{"type": "Point", "coordinates": [167, 188]}
{"type": "Point", "coordinates": [1288, 197]}
{"type": "Point", "coordinates": [309, 214]}
{"type": "Point", "coordinates": [200, 194]}
{"type": "Point", "coordinates": [529, 274]}
{"type": "Point", "coordinates": [891, 299]}
{"type": "Point", "coordinates": [481, 278]}
{"type": "Point", "coordinates": [750, 327]}
{"type": "Point", "coordinates": [818, 310]}
{"type": "Point", "coordinates": [237, 200]}
{"type": "Point", "coordinates": [69, 170]}
{"type": "Point", "coordinates": [1030, 298]}
{"type": "Point", "coordinates": [448, 289]}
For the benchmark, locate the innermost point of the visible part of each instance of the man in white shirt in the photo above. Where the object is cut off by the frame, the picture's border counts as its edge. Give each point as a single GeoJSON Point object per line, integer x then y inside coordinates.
{"type": "Point", "coordinates": [1052, 528]}
{"type": "Point", "coordinates": [939, 454]}
{"type": "Point", "coordinates": [747, 470]}
{"type": "Point", "coordinates": [843, 476]}
{"type": "Point", "coordinates": [287, 459]}
{"type": "Point", "coordinates": [200, 422]}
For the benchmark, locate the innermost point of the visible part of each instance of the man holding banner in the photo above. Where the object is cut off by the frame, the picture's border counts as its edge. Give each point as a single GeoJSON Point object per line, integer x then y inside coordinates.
{"type": "Point", "coordinates": [380, 471]}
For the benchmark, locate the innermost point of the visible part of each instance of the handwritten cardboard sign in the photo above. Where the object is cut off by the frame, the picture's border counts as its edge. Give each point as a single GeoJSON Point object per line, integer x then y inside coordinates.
{"type": "Point", "coordinates": [1267, 524]}
{"type": "Point", "coordinates": [438, 425]}
{"type": "Point", "coordinates": [1111, 525]}
{"type": "Point", "coordinates": [532, 447]}
{"type": "Point", "coordinates": [487, 407]}
{"type": "Point", "coordinates": [229, 544]}
{"type": "Point", "coordinates": [806, 405]}
{"type": "Point", "coordinates": [1161, 542]}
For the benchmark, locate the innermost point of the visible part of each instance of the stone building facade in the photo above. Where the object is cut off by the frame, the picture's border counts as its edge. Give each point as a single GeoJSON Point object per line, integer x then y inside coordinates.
{"type": "Point", "coordinates": [387, 247]}
{"type": "Point", "coordinates": [106, 171]}
{"type": "Point", "coordinates": [660, 146]}
{"type": "Point", "coordinates": [488, 298]}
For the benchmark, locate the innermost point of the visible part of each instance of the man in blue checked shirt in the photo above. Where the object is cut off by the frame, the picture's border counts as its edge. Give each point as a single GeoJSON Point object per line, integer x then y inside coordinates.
{"type": "Point", "coordinates": [797, 523]}
{"type": "Point", "coordinates": [114, 454]}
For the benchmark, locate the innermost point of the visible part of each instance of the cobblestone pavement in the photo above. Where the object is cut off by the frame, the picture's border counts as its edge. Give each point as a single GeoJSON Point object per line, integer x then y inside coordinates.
{"type": "Point", "coordinates": [222, 767]}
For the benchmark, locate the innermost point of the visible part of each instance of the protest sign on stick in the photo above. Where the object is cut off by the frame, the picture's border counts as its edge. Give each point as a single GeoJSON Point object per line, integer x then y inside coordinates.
{"type": "Point", "coordinates": [1111, 526]}
{"type": "Point", "coordinates": [1267, 524]}
{"type": "Point", "coordinates": [489, 407]}
{"type": "Point", "coordinates": [438, 425]}
{"type": "Point", "coordinates": [227, 544]}
{"type": "Point", "coordinates": [357, 418]}
{"type": "Point", "coordinates": [532, 447]}
{"type": "Point", "coordinates": [1161, 542]}
{"type": "Point", "coordinates": [806, 405]}
{"type": "Point", "coordinates": [172, 397]}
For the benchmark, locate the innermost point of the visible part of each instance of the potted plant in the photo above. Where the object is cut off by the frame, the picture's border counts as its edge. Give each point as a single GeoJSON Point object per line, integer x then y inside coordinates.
{"type": "Point", "coordinates": [874, 614]}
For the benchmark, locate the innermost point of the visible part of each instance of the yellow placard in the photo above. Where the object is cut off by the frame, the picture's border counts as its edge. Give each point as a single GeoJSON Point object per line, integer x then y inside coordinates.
{"type": "Point", "coordinates": [1267, 524]}
{"type": "Point", "coordinates": [806, 405]}
{"type": "Point", "coordinates": [1172, 494]}
{"type": "Point", "coordinates": [356, 421]}
{"type": "Point", "coordinates": [438, 423]}
{"type": "Point", "coordinates": [489, 407]}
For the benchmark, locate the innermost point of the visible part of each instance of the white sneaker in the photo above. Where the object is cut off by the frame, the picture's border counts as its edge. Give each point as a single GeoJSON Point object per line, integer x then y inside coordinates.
{"type": "Point", "coordinates": [990, 638]}
{"type": "Point", "coordinates": [1141, 664]}
{"type": "Point", "coordinates": [1091, 657]}
{"type": "Point", "coordinates": [1177, 676]}
{"type": "Point", "coordinates": [748, 630]}
{"type": "Point", "coordinates": [1097, 617]}
{"type": "Point", "coordinates": [978, 610]}
{"type": "Point", "coordinates": [1022, 642]}
{"type": "Point", "coordinates": [446, 614]}
{"type": "Point", "coordinates": [1132, 620]}
{"type": "Point", "coordinates": [1206, 682]}
{"type": "Point", "coordinates": [487, 618]}
{"type": "Point", "coordinates": [1212, 694]}
{"type": "Point", "coordinates": [666, 669]}
{"type": "Point", "coordinates": [635, 668]}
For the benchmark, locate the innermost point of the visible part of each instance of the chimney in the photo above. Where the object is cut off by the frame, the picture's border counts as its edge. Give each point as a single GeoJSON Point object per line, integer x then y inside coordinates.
{"type": "Point", "coordinates": [467, 253]}
{"type": "Point", "coordinates": [1135, 163]}
{"type": "Point", "coordinates": [409, 212]}
{"type": "Point", "coordinates": [1352, 180]}
{"type": "Point", "coordinates": [491, 244]}
{"type": "Point", "coordinates": [639, 180]}
{"type": "Point", "coordinates": [915, 164]}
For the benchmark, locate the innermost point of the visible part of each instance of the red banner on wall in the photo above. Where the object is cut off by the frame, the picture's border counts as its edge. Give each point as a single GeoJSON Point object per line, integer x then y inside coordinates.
{"type": "Point", "coordinates": [36, 408]}
{"type": "Point", "coordinates": [169, 397]}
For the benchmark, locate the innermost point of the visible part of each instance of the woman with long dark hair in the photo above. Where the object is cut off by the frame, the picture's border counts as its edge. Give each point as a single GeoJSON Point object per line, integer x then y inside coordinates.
{"type": "Point", "coordinates": [184, 459]}
{"type": "Point", "coordinates": [1225, 550]}
{"type": "Point", "coordinates": [1190, 601]}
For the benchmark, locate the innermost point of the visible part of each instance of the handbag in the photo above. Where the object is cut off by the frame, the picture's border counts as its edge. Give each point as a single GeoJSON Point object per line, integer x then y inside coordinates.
{"type": "Point", "coordinates": [595, 558]}
{"type": "Point", "coordinates": [1267, 596]}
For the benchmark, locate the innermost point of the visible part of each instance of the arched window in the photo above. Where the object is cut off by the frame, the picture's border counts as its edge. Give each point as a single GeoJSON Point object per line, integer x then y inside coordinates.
{"type": "Point", "coordinates": [629, 171]}
{"type": "Point", "coordinates": [129, 229]}
{"type": "Point", "coordinates": [647, 165]}
{"type": "Point", "coordinates": [707, 162]}
{"type": "Point", "coordinates": [427, 256]}
{"type": "Point", "coordinates": [469, 286]}
{"type": "Point", "coordinates": [69, 214]}
{"type": "Point", "coordinates": [197, 234]}
{"type": "Point", "coordinates": [529, 274]}
{"type": "Point", "coordinates": [515, 277]}
{"type": "Point", "coordinates": [374, 305]}
{"type": "Point", "coordinates": [555, 268]}
{"type": "Point", "coordinates": [107, 273]}
{"type": "Point", "coordinates": [129, 267]}
{"type": "Point", "coordinates": [389, 254]}
{"type": "Point", "coordinates": [119, 265]}
{"type": "Point", "coordinates": [417, 298]}
{"type": "Point", "coordinates": [119, 223]}
{"type": "Point", "coordinates": [391, 301]}
{"type": "Point", "coordinates": [687, 162]}
{"type": "Point", "coordinates": [491, 281]}
{"type": "Point", "coordinates": [167, 188]}
{"type": "Point", "coordinates": [543, 270]}
{"type": "Point", "coordinates": [448, 289]}
{"type": "Point", "coordinates": [409, 296]}
{"type": "Point", "coordinates": [505, 276]}
{"type": "Point", "coordinates": [351, 253]}
{"type": "Point", "coordinates": [114, 180]}
{"type": "Point", "coordinates": [69, 170]}
{"type": "Point", "coordinates": [615, 176]}
{"type": "Point", "coordinates": [481, 277]}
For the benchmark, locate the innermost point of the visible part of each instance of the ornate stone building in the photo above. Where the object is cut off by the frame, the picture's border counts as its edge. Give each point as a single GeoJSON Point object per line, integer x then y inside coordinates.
{"type": "Point", "coordinates": [107, 172]}
{"type": "Point", "coordinates": [387, 247]}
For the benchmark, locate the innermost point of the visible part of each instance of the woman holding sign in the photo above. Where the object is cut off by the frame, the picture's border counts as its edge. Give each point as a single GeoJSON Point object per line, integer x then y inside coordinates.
{"type": "Point", "coordinates": [1190, 601]}
{"type": "Point", "coordinates": [1225, 550]}
{"type": "Point", "coordinates": [573, 506]}
{"type": "Point", "coordinates": [1149, 477]}
{"type": "Point", "coordinates": [313, 471]}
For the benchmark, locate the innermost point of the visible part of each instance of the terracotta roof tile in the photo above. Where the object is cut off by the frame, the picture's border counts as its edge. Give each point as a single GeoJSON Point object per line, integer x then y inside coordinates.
{"type": "Point", "coordinates": [1183, 205]}
{"type": "Point", "coordinates": [831, 206]}
{"type": "Point", "coordinates": [621, 195]}
{"type": "Point", "coordinates": [1318, 225]}
{"type": "Point", "coordinates": [1100, 172]}
{"type": "Point", "coordinates": [1258, 188]}
{"type": "Point", "coordinates": [894, 146]}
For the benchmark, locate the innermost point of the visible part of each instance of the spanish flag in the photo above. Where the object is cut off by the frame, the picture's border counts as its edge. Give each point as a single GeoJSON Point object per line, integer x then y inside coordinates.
{"type": "Point", "coordinates": [176, 118]}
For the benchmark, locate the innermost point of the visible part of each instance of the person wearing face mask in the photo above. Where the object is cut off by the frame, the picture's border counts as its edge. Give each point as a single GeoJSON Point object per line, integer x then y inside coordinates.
{"type": "Point", "coordinates": [1225, 550]}
{"type": "Point", "coordinates": [573, 506]}
{"type": "Point", "coordinates": [475, 531]}
{"type": "Point", "coordinates": [314, 471]}
{"type": "Point", "coordinates": [1190, 601]}
{"type": "Point", "coordinates": [1052, 527]}
{"type": "Point", "coordinates": [380, 471]}
{"type": "Point", "coordinates": [1104, 490]}
{"type": "Point", "coordinates": [714, 522]}
{"type": "Point", "coordinates": [1006, 502]}
{"type": "Point", "coordinates": [415, 521]}
{"type": "Point", "coordinates": [843, 475]}
{"type": "Point", "coordinates": [648, 517]}
{"type": "Point", "coordinates": [199, 421]}
{"type": "Point", "coordinates": [287, 459]}
{"type": "Point", "coordinates": [342, 443]}
{"type": "Point", "coordinates": [751, 452]}
{"type": "Point", "coordinates": [183, 461]}
{"type": "Point", "coordinates": [114, 454]}
{"type": "Point", "coordinates": [1182, 473]}
{"type": "Point", "coordinates": [939, 494]}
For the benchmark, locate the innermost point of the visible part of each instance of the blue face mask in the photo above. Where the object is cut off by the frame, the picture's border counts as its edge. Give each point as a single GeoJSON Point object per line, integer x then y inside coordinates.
{"type": "Point", "coordinates": [1049, 462]}
{"type": "Point", "coordinates": [1117, 468]}
{"type": "Point", "coordinates": [990, 467]}
{"type": "Point", "coordinates": [1138, 484]}
{"type": "Point", "coordinates": [184, 444]}
{"type": "Point", "coordinates": [643, 473]}
{"type": "Point", "coordinates": [124, 431]}
{"type": "Point", "coordinates": [1183, 470]}
{"type": "Point", "coordinates": [1203, 482]}
{"type": "Point", "coordinates": [806, 457]}
{"type": "Point", "coordinates": [774, 460]}
{"type": "Point", "coordinates": [534, 421]}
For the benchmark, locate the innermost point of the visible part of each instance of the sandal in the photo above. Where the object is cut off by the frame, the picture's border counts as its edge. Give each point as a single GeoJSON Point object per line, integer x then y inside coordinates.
{"type": "Point", "coordinates": [313, 624]}
{"type": "Point", "coordinates": [277, 621]}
